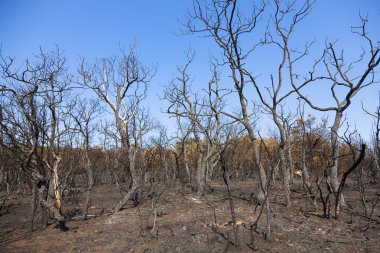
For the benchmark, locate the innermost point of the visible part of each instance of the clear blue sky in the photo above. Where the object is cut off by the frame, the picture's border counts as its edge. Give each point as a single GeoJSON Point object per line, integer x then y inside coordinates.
{"type": "Point", "coordinates": [95, 29]}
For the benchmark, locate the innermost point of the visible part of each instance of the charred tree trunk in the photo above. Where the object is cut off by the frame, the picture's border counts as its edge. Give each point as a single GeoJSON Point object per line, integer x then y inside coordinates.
{"type": "Point", "coordinates": [338, 193]}
{"type": "Point", "coordinates": [286, 175]}
{"type": "Point", "coordinates": [304, 170]}
{"type": "Point", "coordinates": [90, 183]}
{"type": "Point", "coordinates": [42, 186]}
{"type": "Point", "coordinates": [284, 166]}
{"type": "Point", "coordinates": [290, 157]}
{"type": "Point", "coordinates": [333, 172]}
{"type": "Point", "coordinates": [185, 163]}
{"type": "Point", "coordinates": [211, 163]}
{"type": "Point", "coordinates": [201, 174]}
{"type": "Point", "coordinates": [135, 181]}
{"type": "Point", "coordinates": [260, 195]}
{"type": "Point", "coordinates": [55, 181]}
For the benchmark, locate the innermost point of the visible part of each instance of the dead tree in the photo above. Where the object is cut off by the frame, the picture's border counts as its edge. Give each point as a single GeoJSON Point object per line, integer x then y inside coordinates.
{"type": "Point", "coordinates": [288, 121]}
{"type": "Point", "coordinates": [302, 125]}
{"type": "Point", "coordinates": [55, 90]}
{"type": "Point", "coordinates": [202, 115]}
{"type": "Point", "coordinates": [178, 94]}
{"type": "Point", "coordinates": [161, 145]}
{"type": "Point", "coordinates": [182, 134]}
{"type": "Point", "coordinates": [141, 124]}
{"type": "Point", "coordinates": [121, 83]}
{"type": "Point", "coordinates": [290, 57]}
{"type": "Point", "coordinates": [83, 116]}
{"type": "Point", "coordinates": [347, 78]}
{"type": "Point", "coordinates": [230, 137]}
{"type": "Point", "coordinates": [214, 104]}
{"type": "Point", "coordinates": [225, 24]}
{"type": "Point", "coordinates": [342, 183]}
{"type": "Point", "coordinates": [36, 89]}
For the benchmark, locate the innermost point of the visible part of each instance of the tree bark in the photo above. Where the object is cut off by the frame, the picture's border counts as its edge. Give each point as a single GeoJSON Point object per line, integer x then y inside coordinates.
{"type": "Point", "coordinates": [42, 185]}
{"type": "Point", "coordinates": [333, 173]}
{"type": "Point", "coordinates": [135, 180]}
{"type": "Point", "coordinates": [90, 183]}
{"type": "Point", "coordinates": [55, 180]}
{"type": "Point", "coordinates": [185, 163]}
{"type": "Point", "coordinates": [304, 170]}
{"type": "Point", "coordinates": [201, 174]}
{"type": "Point", "coordinates": [290, 157]}
{"type": "Point", "coordinates": [260, 196]}
{"type": "Point", "coordinates": [284, 166]}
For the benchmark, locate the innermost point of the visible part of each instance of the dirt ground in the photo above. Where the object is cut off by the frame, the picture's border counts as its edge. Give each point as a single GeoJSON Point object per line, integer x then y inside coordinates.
{"type": "Point", "coordinates": [179, 221]}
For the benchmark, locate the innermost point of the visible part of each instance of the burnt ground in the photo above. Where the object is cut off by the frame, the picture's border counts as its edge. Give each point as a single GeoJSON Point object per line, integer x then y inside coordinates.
{"type": "Point", "coordinates": [182, 222]}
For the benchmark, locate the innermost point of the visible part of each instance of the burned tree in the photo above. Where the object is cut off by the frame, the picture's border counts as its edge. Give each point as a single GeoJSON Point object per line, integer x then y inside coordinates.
{"type": "Point", "coordinates": [278, 91]}
{"type": "Point", "coordinates": [345, 80]}
{"type": "Point", "coordinates": [203, 116]}
{"type": "Point", "coordinates": [83, 116]}
{"type": "Point", "coordinates": [222, 21]}
{"type": "Point", "coordinates": [36, 90]}
{"type": "Point", "coordinates": [120, 83]}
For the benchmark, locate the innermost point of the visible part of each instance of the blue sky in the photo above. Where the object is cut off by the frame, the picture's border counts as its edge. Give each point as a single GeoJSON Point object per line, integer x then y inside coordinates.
{"type": "Point", "coordinates": [95, 29]}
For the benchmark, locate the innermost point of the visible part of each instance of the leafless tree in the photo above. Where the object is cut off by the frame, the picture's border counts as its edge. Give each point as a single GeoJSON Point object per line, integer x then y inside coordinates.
{"type": "Point", "coordinates": [121, 84]}
{"type": "Point", "coordinates": [347, 78]}
{"type": "Point", "coordinates": [303, 124]}
{"type": "Point", "coordinates": [229, 136]}
{"type": "Point", "coordinates": [227, 25]}
{"type": "Point", "coordinates": [221, 21]}
{"type": "Point", "coordinates": [84, 115]}
{"type": "Point", "coordinates": [181, 136]}
{"type": "Point", "coordinates": [278, 92]}
{"type": "Point", "coordinates": [55, 91]}
{"type": "Point", "coordinates": [288, 122]}
{"type": "Point", "coordinates": [203, 116]}
{"type": "Point", "coordinates": [214, 104]}
{"type": "Point", "coordinates": [161, 144]}
{"type": "Point", "coordinates": [141, 124]}
{"type": "Point", "coordinates": [37, 90]}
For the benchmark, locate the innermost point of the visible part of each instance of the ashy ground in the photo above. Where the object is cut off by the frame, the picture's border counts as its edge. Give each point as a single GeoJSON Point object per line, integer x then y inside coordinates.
{"type": "Point", "coordinates": [173, 219]}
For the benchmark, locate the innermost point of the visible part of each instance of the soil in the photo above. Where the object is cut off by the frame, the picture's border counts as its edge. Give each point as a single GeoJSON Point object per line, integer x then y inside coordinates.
{"type": "Point", "coordinates": [173, 219]}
